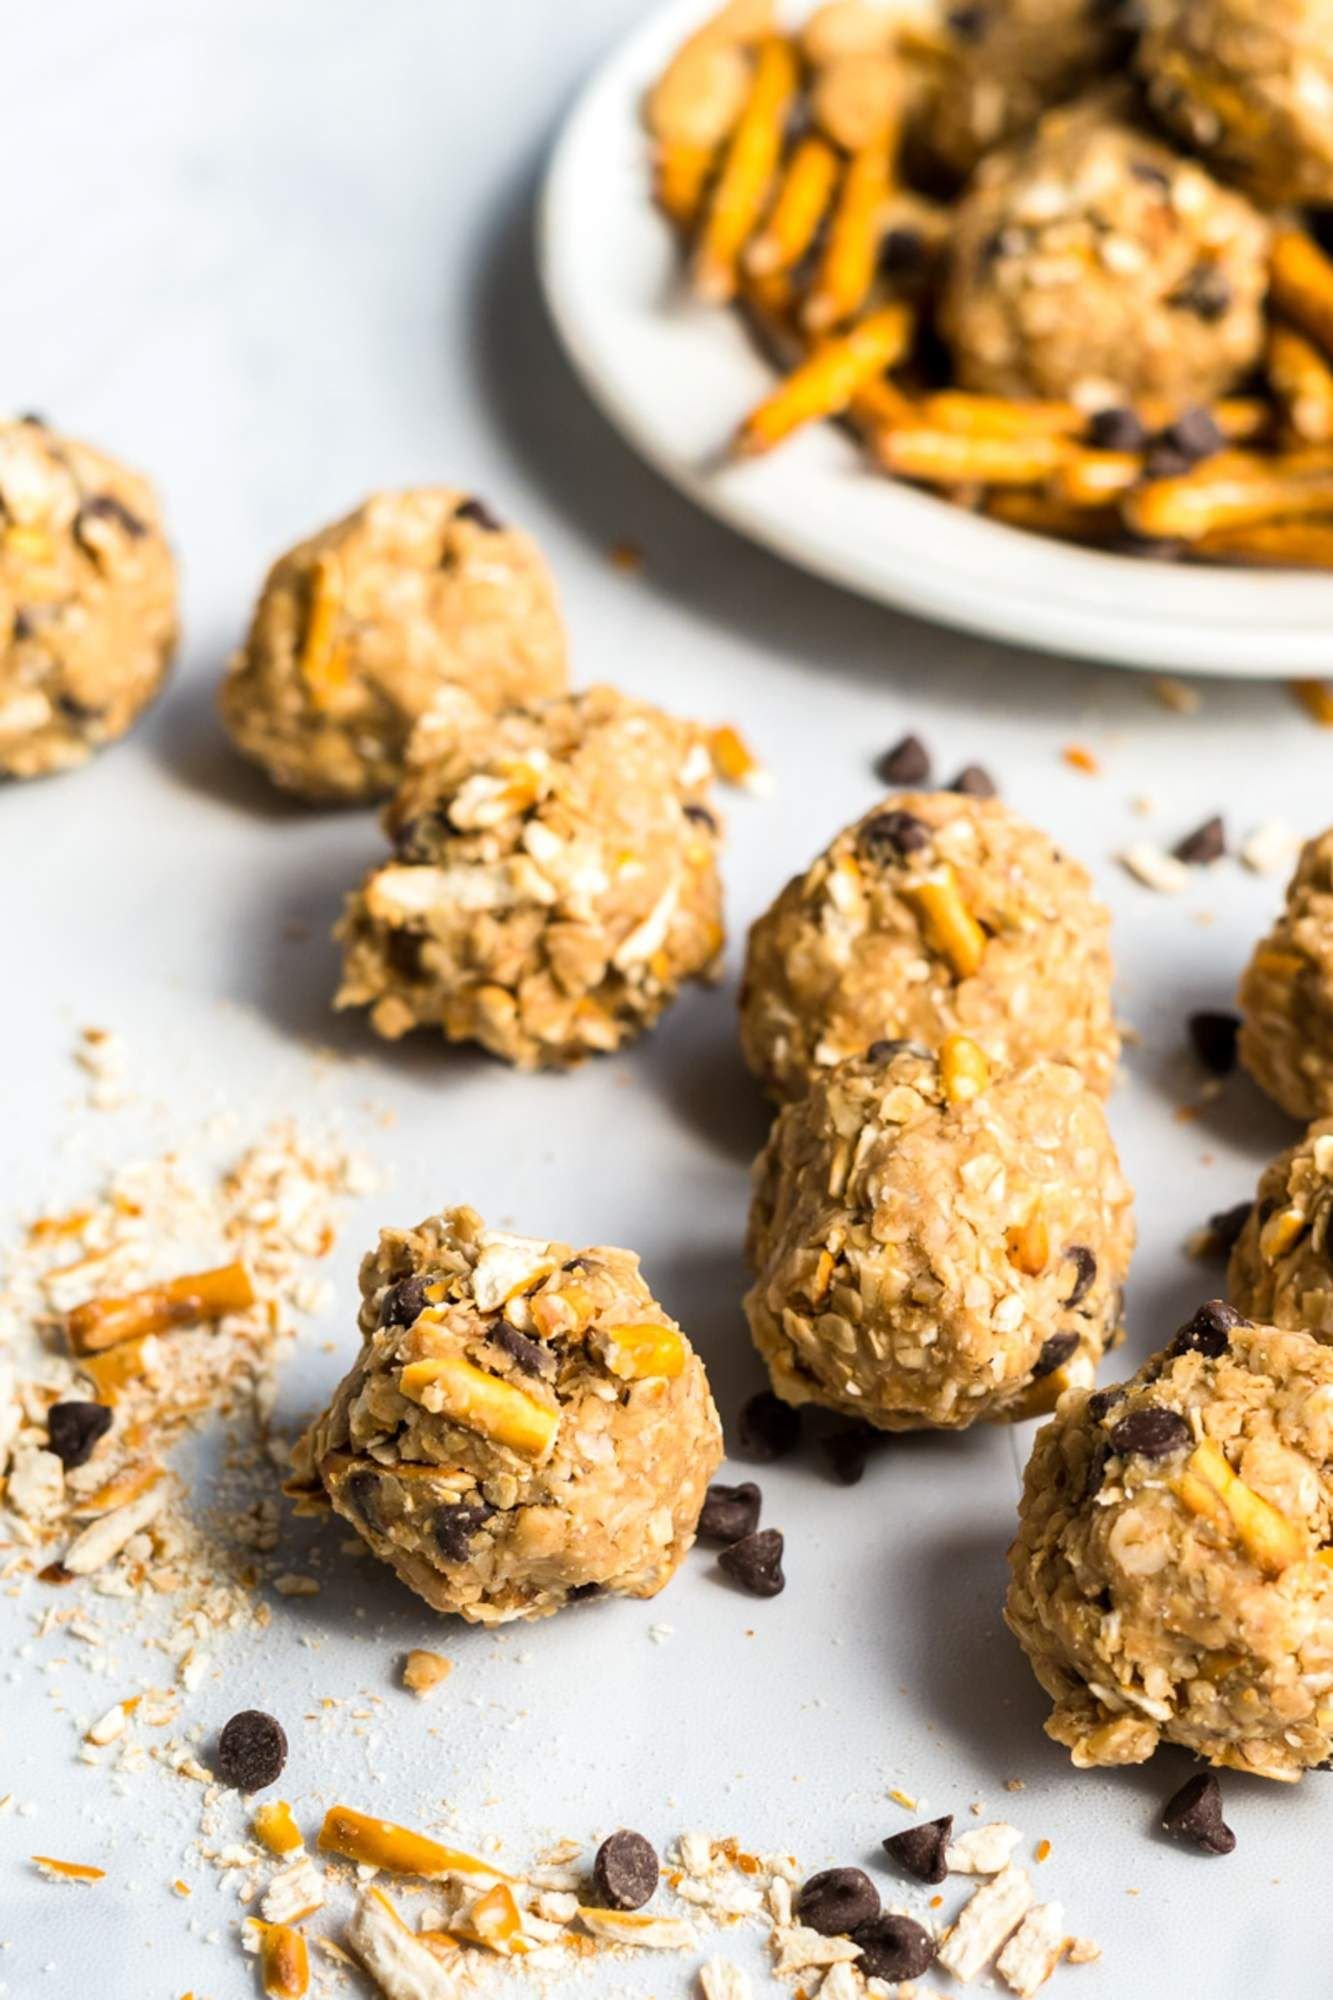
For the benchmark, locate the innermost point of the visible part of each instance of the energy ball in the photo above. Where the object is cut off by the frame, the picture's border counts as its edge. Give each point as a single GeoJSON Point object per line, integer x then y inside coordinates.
{"type": "Point", "coordinates": [553, 882]}
{"type": "Point", "coordinates": [1003, 63]}
{"type": "Point", "coordinates": [1280, 1269]}
{"type": "Point", "coordinates": [1167, 1582]}
{"type": "Point", "coordinates": [358, 629]}
{"type": "Point", "coordinates": [1092, 262]}
{"type": "Point", "coordinates": [936, 913]}
{"type": "Point", "coordinates": [524, 1426]}
{"type": "Point", "coordinates": [1286, 993]}
{"type": "Point", "coordinates": [1249, 84]}
{"type": "Point", "coordinates": [87, 600]}
{"type": "Point", "coordinates": [937, 1244]}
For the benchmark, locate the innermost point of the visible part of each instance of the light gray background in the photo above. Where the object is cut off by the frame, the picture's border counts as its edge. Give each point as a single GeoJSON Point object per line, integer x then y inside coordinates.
{"type": "Point", "coordinates": [279, 255]}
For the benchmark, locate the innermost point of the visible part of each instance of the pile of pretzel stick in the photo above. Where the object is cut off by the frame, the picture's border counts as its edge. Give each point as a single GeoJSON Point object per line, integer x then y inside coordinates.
{"type": "Point", "coordinates": [781, 171]}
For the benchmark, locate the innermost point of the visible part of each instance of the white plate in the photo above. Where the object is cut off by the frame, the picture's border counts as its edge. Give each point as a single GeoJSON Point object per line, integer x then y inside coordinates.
{"type": "Point", "coordinates": [675, 377]}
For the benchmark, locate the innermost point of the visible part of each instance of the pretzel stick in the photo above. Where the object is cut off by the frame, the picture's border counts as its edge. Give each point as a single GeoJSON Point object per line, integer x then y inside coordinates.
{"type": "Point", "coordinates": [204, 1295]}
{"type": "Point", "coordinates": [1239, 418]}
{"type": "Point", "coordinates": [824, 385]}
{"type": "Point", "coordinates": [1272, 544]}
{"type": "Point", "coordinates": [1301, 285]}
{"type": "Point", "coordinates": [882, 405]}
{"type": "Point", "coordinates": [848, 264]}
{"type": "Point", "coordinates": [1044, 514]}
{"type": "Point", "coordinates": [1303, 383]}
{"type": "Point", "coordinates": [1232, 490]}
{"type": "Point", "coordinates": [1094, 478]}
{"type": "Point", "coordinates": [747, 170]}
{"type": "Point", "coordinates": [798, 208]}
{"type": "Point", "coordinates": [680, 175]}
{"type": "Point", "coordinates": [951, 458]}
{"type": "Point", "coordinates": [997, 416]}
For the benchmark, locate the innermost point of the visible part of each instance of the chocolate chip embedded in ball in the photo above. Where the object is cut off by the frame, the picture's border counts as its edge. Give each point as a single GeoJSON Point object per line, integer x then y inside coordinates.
{"type": "Point", "coordinates": [625, 1871]}
{"type": "Point", "coordinates": [756, 1563]}
{"type": "Point", "coordinates": [730, 1513]}
{"type": "Point", "coordinates": [893, 1948]}
{"type": "Point", "coordinates": [768, 1428]}
{"type": "Point", "coordinates": [1054, 1353]}
{"type": "Point", "coordinates": [251, 1752]}
{"type": "Point", "coordinates": [1085, 1272]}
{"type": "Point", "coordinates": [480, 515]}
{"type": "Point", "coordinates": [836, 1900]}
{"type": "Point", "coordinates": [1209, 1332]}
{"type": "Point", "coordinates": [1194, 1813]}
{"type": "Point", "coordinates": [920, 1850]}
{"type": "Point", "coordinates": [74, 1428]}
{"type": "Point", "coordinates": [404, 1303]}
{"type": "Point", "coordinates": [456, 1528]}
{"type": "Point", "coordinates": [1151, 1433]}
{"type": "Point", "coordinates": [892, 836]}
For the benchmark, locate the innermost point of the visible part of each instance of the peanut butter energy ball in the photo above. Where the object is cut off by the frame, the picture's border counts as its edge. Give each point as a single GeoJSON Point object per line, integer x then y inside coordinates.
{"type": "Point", "coordinates": [1286, 994]}
{"type": "Point", "coordinates": [554, 880]}
{"type": "Point", "coordinates": [358, 629]}
{"type": "Point", "coordinates": [1092, 262]}
{"type": "Point", "coordinates": [933, 914]}
{"type": "Point", "coordinates": [524, 1425]}
{"type": "Point", "coordinates": [1168, 1578]}
{"type": "Point", "coordinates": [1282, 1265]}
{"type": "Point", "coordinates": [936, 1244]}
{"type": "Point", "coordinates": [87, 600]}
{"type": "Point", "coordinates": [1249, 84]}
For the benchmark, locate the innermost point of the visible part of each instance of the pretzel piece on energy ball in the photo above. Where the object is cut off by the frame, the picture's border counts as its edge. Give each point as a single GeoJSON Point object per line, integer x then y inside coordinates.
{"type": "Point", "coordinates": [751, 158]}
{"type": "Point", "coordinates": [825, 383]}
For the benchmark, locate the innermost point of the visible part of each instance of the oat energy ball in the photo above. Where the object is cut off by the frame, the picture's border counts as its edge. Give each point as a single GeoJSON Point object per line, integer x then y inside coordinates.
{"type": "Point", "coordinates": [1170, 1578]}
{"type": "Point", "coordinates": [1090, 261]}
{"type": "Point", "coordinates": [934, 913]}
{"type": "Point", "coordinates": [358, 629]}
{"type": "Point", "coordinates": [1281, 1268]}
{"type": "Point", "coordinates": [523, 1426]}
{"type": "Point", "coordinates": [554, 880]}
{"type": "Point", "coordinates": [87, 600]}
{"type": "Point", "coordinates": [1286, 993]}
{"type": "Point", "coordinates": [1003, 63]}
{"type": "Point", "coordinates": [1249, 84]}
{"type": "Point", "coordinates": [936, 1244]}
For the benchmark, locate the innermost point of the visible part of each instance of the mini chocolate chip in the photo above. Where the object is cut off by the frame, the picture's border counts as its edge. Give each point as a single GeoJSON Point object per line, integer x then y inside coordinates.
{"type": "Point", "coordinates": [106, 507]}
{"type": "Point", "coordinates": [35, 418]}
{"type": "Point", "coordinates": [1085, 1272]}
{"type": "Point", "coordinates": [457, 1526]}
{"type": "Point", "coordinates": [1195, 435]}
{"type": "Point", "coordinates": [908, 763]}
{"type": "Point", "coordinates": [974, 781]}
{"type": "Point", "coordinates": [755, 1563]}
{"type": "Point", "coordinates": [74, 1428]}
{"type": "Point", "coordinates": [1207, 843]}
{"type": "Point", "coordinates": [1096, 1469]}
{"type": "Point", "coordinates": [531, 1356]}
{"type": "Point", "coordinates": [579, 1591]}
{"type": "Point", "coordinates": [625, 1871]}
{"type": "Point", "coordinates": [1149, 173]}
{"type": "Point", "coordinates": [902, 253]}
{"type": "Point", "coordinates": [1214, 1040]}
{"type": "Point", "coordinates": [1194, 1813]}
{"type": "Point", "coordinates": [480, 515]}
{"type": "Point", "coordinates": [836, 1900]}
{"type": "Point", "coordinates": [893, 1948]}
{"type": "Point", "coordinates": [363, 1491]}
{"type": "Point", "coordinates": [1054, 1353]}
{"type": "Point", "coordinates": [1165, 462]}
{"type": "Point", "coordinates": [844, 1449]}
{"type": "Point", "coordinates": [1153, 1432]}
{"type": "Point", "coordinates": [968, 24]}
{"type": "Point", "coordinates": [891, 836]}
{"type": "Point", "coordinates": [884, 1051]}
{"type": "Point", "coordinates": [768, 1429]}
{"type": "Point", "coordinates": [919, 1850]}
{"type": "Point", "coordinates": [1209, 1332]}
{"type": "Point", "coordinates": [1225, 1227]}
{"type": "Point", "coordinates": [24, 625]}
{"type": "Point", "coordinates": [1207, 292]}
{"type": "Point", "coordinates": [417, 839]}
{"type": "Point", "coordinates": [1117, 430]}
{"type": "Point", "coordinates": [251, 1752]}
{"type": "Point", "coordinates": [700, 815]}
{"type": "Point", "coordinates": [730, 1513]}
{"type": "Point", "coordinates": [1102, 1401]}
{"type": "Point", "coordinates": [404, 1303]}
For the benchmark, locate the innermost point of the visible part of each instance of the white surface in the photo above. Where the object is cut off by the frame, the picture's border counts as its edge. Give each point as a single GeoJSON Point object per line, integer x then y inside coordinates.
{"type": "Point", "coordinates": [677, 377]}
{"type": "Point", "coordinates": [279, 256]}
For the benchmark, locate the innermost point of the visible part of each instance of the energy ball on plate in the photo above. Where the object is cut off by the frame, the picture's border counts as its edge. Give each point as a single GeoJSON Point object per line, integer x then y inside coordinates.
{"type": "Point", "coordinates": [935, 913]}
{"type": "Point", "coordinates": [87, 600]}
{"type": "Point", "coordinates": [524, 1425]}
{"type": "Point", "coordinates": [1248, 84]}
{"type": "Point", "coordinates": [1169, 1577]}
{"type": "Point", "coordinates": [1092, 262]}
{"type": "Point", "coordinates": [1281, 1268]}
{"type": "Point", "coordinates": [358, 629]}
{"type": "Point", "coordinates": [1286, 993]}
{"type": "Point", "coordinates": [936, 1244]}
{"type": "Point", "coordinates": [554, 880]}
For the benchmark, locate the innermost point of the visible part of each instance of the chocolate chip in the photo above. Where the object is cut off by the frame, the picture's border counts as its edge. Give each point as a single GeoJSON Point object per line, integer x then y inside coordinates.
{"type": "Point", "coordinates": [404, 1303]}
{"type": "Point", "coordinates": [581, 1591]}
{"type": "Point", "coordinates": [908, 763]}
{"type": "Point", "coordinates": [1054, 1353]}
{"type": "Point", "coordinates": [975, 782]}
{"type": "Point", "coordinates": [1085, 1272]}
{"type": "Point", "coordinates": [531, 1356]}
{"type": "Point", "coordinates": [417, 839]}
{"type": "Point", "coordinates": [456, 1527]}
{"type": "Point", "coordinates": [74, 1428]}
{"type": "Point", "coordinates": [890, 836]}
{"type": "Point", "coordinates": [730, 1513]}
{"type": "Point", "coordinates": [755, 1563]}
{"type": "Point", "coordinates": [24, 625]}
{"type": "Point", "coordinates": [1102, 1401]}
{"type": "Point", "coordinates": [919, 1850]}
{"type": "Point", "coordinates": [1214, 1040]}
{"type": "Point", "coordinates": [968, 24]}
{"type": "Point", "coordinates": [1164, 462]}
{"type": "Point", "coordinates": [106, 507]}
{"type": "Point", "coordinates": [700, 815]}
{"type": "Point", "coordinates": [252, 1750]}
{"type": "Point", "coordinates": [1194, 1813]}
{"type": "Point", "coordinates": [844, 1449]}
{"type": "Point", "coordinates": [1149, 173]}
{"type": "Point", "coordinates": [1117, 430]}
{"type": "Point", "coordinates": [480, 515]}
{"type": "Point", "coordinates": [1224, 1228]}
{"type": "Point", "coordinates": [893, 1948]}
{"type": "Point", "coordinates": [1150, 1433]}
{"type": "Point", "coordinates": [884, 1051]}
{"type": "Point", "coordinates": [625, 1871]}
{"type": "Point", "coordinates": [1207, 843]}
{"type": "Point", "coordinates": [1207, 292]}
{"type": "Point", "coordinates": [1195, 435]}
{"type": "Point", "coordinates": [902, 254]}
{"type": "Point", "coordinates": [768, 1429]}
{"type": "Point", "coordinates": [1209, 1332]}
{"type": "Point", "coordinates": [363, 1493]}
{"type": "Point", "coordinates": [836, 1900]}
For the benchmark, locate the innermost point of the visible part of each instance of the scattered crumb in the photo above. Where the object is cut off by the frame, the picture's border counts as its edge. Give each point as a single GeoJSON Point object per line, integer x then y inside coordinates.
{"type": "Point", "coordinates": [1155, 868]}
{"type": "Point", "coordinates": [1179, 696]}
{"type": "Point", "coordinates": [423, 1670]}
{"type": "Point", "coordinates": [1270, 849]}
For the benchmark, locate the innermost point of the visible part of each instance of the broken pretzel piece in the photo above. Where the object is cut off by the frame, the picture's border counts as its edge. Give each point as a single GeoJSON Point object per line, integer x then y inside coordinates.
{"type": "Point", "coordinates": [750, 161]}
{"type": "Point", "coordinates": [1301, 283]}
{"type": "Point", "coordinates": [825, 384]}
{"type": "Point", "coordinates": [451, 1387]}
{"type": "Point", "coordinates": [284, 1962]}
{"type": "Point", "coordinates": [180, 1302]}
{"type": "Point", "coordinates": [403, 1966]}
{"type": "Point", "coordinates": [1209, 1487]}
{"type": "Point", "coordinates": [947, 925]}
{"type": "Point", "coordinates": [379, 1843]}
